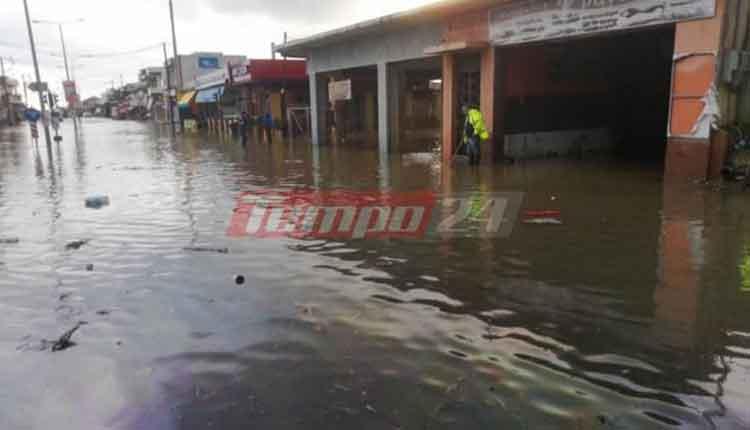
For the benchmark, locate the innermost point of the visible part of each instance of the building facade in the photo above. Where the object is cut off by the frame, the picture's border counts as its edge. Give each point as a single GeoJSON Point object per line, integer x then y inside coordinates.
{"type": "Point", "coordinates": [634, 78]}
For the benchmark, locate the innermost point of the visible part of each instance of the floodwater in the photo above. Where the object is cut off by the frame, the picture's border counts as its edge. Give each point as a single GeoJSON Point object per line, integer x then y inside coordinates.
{"type": "Point", "coordinates": [633, 314]}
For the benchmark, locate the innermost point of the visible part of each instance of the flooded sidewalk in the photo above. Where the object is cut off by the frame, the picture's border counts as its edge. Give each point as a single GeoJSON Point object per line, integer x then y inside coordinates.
{"type": "Point", "coordinates": [629, 311]}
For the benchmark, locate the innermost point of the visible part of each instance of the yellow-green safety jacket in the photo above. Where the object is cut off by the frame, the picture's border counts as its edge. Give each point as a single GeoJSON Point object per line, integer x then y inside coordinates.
{"type": "Point", "coordinates": [475, 120]}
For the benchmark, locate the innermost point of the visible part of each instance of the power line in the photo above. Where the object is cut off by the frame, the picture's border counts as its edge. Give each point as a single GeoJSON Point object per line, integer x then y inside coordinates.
{"type": "Point", "coordinates": [121, 53]}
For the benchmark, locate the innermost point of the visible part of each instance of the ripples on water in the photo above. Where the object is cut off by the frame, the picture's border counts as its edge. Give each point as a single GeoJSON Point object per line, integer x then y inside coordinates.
{"type": "Point", "coordinates": [631, 315]}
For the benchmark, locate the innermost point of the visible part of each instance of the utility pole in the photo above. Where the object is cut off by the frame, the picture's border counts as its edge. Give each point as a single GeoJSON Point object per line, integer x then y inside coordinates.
{"type": "Point", "coordinates": [25, 92]}
{"type": "Point", "coordinates": [6, 94]}
{"type": "Point", "coordinates": [65, 52]}
{"type": "Point", "coordinates": [168, 98]}
{"type": "Point", "coordinates": [38, 77]}
{"type": "Point", "coordinates": [286, 41]}
{"type": "Point", "coordinates": [177, 62]}
{"type": "Point", "coordinates": [68, 74]}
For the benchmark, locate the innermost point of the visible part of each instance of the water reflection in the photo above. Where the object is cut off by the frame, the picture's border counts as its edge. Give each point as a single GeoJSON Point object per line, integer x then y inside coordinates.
{"type": "Point", "coordinates": [630, 315]}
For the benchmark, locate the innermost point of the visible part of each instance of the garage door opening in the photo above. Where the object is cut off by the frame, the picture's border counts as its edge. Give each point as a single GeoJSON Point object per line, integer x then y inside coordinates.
{"type": "Point", "coordinates": [352, 114]}
{"type": "Point", "coordinates": [589, 97]}
{"type": "Point", "coordinates": [416, 105]}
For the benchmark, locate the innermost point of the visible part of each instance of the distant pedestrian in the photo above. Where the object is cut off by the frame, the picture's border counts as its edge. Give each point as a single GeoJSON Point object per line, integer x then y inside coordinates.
{"type": "Point", "coordinates": [244, 127]}
{"type": "Point", "coordinates": [267, 124]}
{"type": "Point", "coordinates": [475, 133]}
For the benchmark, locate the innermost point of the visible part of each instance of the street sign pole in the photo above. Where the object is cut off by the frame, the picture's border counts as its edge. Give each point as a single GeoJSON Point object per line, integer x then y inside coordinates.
{"type": "Point", "coordinates": [38, 77]}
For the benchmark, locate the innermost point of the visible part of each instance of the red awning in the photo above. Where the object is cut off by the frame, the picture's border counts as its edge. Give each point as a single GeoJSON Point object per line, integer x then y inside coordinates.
{"type": "Point", "coordinates": [277, 70]}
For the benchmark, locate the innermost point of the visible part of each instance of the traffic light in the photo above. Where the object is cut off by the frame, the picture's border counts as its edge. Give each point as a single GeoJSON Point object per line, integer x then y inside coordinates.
{"type": "Point", "coordinates": [44, 98]}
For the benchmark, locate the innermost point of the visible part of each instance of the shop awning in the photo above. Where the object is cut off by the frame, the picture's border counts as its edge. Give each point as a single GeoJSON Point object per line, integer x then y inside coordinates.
{"type": "Point", "coordinates": [186, 99]}
{"type": "Point", "coordinates": [210, 95]}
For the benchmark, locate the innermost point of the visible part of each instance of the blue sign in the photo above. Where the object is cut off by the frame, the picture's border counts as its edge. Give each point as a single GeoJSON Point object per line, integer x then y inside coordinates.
{"type": "Point", "coordinates": [208, 63]}
{"type": "Point", "coordinates": [32, 115]}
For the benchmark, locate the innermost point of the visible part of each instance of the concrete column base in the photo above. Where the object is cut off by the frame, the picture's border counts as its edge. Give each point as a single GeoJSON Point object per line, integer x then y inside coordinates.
{"type": "Point", "coordinates": [687, 159]}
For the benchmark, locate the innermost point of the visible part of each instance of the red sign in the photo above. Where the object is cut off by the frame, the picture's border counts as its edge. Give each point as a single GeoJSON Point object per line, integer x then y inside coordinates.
{"type": "Point", "coordinates": [71, 95]}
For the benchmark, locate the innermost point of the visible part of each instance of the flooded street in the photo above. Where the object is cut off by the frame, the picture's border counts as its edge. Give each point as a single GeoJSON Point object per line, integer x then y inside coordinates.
{"type": "Point", "coordinates": [632, 314]}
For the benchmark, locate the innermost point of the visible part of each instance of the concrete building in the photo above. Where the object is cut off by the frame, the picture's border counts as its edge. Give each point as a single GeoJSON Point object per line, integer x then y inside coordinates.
{"type": "Point", "coordinates": [11, 105]}
{"type": "Point", "coordinates": [263, 87]}
{"type": "Point", "coordinates": [155, 80]}
{"type": "Point", "coordinates": [637, 78]}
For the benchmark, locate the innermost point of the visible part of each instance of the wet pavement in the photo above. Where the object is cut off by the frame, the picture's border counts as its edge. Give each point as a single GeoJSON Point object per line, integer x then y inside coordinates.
{"type": "Point", "coordinates": [633, 314]}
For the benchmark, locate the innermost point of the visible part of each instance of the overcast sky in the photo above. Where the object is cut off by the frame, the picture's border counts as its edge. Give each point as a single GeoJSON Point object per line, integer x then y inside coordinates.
{"type": "Point", "coordinates": [236, 27]}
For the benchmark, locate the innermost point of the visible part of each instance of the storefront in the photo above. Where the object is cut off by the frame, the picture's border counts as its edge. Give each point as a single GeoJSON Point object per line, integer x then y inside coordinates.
{"type": "Point", "coordinates": [266, 90]}
{"type": "Point", "coordinates": [644, 79]}
{"type": "Point", "coordinates": [208, 102]}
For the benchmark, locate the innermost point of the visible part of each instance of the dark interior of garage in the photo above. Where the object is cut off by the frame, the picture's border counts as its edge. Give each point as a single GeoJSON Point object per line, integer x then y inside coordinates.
{"type": "Point", "coordinates": [352, 116]}
{"type": "Point", "coordinates": [416, 105]}
{"type": "Point", "coordinates": [615, 86]}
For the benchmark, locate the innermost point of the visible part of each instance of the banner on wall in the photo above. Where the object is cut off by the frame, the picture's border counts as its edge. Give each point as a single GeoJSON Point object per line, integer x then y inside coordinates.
{"type": "Point", "coordinates": [536, 20]}
{"type": "Point", "coordinates": [340, 90]}
{"type": "Point", "coordinates": [208, 63]}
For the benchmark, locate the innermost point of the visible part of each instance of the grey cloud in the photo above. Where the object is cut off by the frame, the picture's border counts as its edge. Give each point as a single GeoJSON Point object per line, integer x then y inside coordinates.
{"type": "Point", "coordinates": [311, 12]}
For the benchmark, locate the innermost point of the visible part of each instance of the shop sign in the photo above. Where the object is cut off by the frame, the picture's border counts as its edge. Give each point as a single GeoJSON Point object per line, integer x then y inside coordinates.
{"type": "Point", "coordinates": [208, 63]}
{"type": "Point", "coordinates": [239, 73]}
{"type": "Point", "coordinates": [340, 90]}
{"type": "Point", "coordinates": [535, 20]}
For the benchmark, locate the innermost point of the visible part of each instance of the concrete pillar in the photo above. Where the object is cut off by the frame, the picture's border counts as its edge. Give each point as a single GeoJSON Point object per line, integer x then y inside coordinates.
{"type": "Point", "coordinates": [383, 132]}
{"type": "Point", "coordinates": [396, 91]}
{"type": "Point", "coordinates": [487, 98]}
{"type": "Point", "coordinates": [449, 107]}
{"type": "Point", "coordinates": [318, 108]}
{"type": "Point", "coordinates": [697, 45]}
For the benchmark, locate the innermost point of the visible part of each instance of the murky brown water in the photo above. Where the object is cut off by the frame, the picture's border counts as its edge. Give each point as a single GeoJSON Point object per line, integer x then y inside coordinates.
{"type": "Point", "coordinates": [634, 314]}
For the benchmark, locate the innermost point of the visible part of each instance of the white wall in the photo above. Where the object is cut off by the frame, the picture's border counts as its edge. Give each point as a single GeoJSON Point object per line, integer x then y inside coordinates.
{"type": "Point", "coordinates": [387, 47]}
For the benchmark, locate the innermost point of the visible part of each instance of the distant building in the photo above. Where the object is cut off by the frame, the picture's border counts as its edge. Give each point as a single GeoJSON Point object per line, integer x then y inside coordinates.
{"type": "Point", "coordinates": [155, 80]}
{"type": "Point", "coordinates": [196, 65]}
{"type": "Point", "coordinates": [10, 101]}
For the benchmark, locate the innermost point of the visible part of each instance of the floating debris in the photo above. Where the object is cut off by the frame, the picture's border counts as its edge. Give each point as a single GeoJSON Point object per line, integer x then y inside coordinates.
{"type": "Point", "coordinates": [542, 217]}
{"type": "Point", "coordinates": [202, 249]}
{"type": "Point", "coordinates": [9, 240]}
{"type": "Point", "coordinates": [543, 221]}
{"type": "Point", "coordinates": [64, 342]}
{"type": "Point", "coordinates": [89, 267]}
{"type": "Point", "coordinates": [76, 245]}
{"type": "Point", "coordinates": [239, 280]}
{"type": "Point", "coordinates": [97, 201]}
